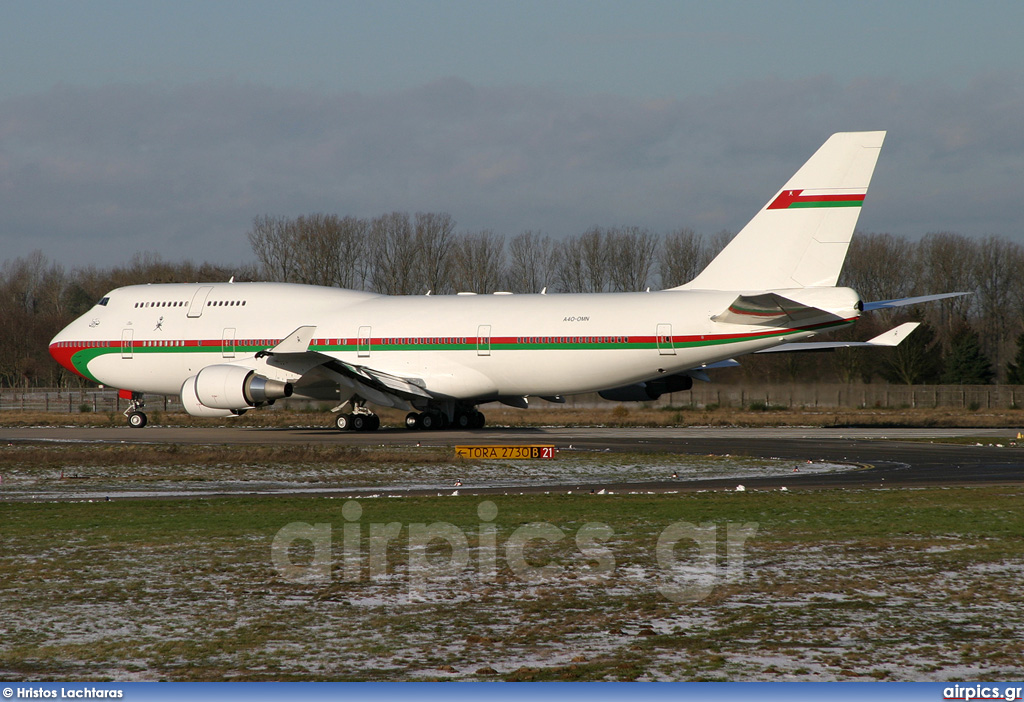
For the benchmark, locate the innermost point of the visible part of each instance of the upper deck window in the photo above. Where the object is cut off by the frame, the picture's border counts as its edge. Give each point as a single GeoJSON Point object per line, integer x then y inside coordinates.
{"type": "Point", "coordinates": [103, 301]}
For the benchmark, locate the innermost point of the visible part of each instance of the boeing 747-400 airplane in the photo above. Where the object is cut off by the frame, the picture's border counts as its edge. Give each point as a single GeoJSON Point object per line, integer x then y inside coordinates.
{"type": "Point", "coordinates": [230, 347]}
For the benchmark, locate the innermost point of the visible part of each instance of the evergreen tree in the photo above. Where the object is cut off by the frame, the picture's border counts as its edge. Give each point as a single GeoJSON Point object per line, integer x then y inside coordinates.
{"type": "Point", "coordinates": [916, 360]}
{"type": "Point", "coordinates": [966, 363]}
{"type": "Point", "coordinates": [1015, 368]}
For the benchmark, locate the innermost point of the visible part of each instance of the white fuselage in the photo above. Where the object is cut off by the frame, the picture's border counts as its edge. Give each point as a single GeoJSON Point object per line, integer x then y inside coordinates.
{"type": "Point", "coordinates": [151, 338]}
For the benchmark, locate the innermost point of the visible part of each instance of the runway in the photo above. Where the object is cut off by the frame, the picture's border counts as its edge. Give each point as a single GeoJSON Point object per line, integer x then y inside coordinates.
{"type": "Point", "coordinates": [877, 457]}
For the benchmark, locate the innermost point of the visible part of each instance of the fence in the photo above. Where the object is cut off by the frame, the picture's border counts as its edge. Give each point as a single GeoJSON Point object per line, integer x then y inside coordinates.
{"type": "Point", "coordinates": [74, 401]}
{"type": "Point", "coordinates": [854, 395]}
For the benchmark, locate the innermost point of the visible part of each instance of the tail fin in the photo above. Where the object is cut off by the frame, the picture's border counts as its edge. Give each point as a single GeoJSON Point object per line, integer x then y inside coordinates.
{"type": "Point", "coordinates": [799, 239]}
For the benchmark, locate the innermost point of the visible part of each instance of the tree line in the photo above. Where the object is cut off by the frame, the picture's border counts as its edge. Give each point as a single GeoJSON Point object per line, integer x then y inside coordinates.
{"type": "Point", "coordinates": [972, 339]}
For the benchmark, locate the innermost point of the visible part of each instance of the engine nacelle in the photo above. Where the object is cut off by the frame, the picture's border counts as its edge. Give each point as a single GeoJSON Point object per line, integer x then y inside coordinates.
{"type": "Point", "coordinates": [196, 408]}
{"type": "Point", "coordinates": [647, 391]}
{"type": "Point", "coordinates": [233, 388]}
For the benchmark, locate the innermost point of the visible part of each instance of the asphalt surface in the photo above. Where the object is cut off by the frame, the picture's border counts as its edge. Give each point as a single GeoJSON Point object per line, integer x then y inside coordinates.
{"type": "Point", "coordinates": [878, 457]}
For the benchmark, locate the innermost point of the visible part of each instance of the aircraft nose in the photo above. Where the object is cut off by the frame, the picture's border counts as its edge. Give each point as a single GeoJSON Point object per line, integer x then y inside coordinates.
{"type": "Point", "coordinates": [63, 350]}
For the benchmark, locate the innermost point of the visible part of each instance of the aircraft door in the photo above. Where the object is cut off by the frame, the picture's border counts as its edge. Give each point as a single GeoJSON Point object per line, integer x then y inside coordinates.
{"type": "Point", "coordinates": [199, 301]}
{"type": "Point", "coordinates": [665, 345]}
{"type": "Point", "coordinates": [127, 343]}
{"type": "Point", "coordinates": [227, 344]}
{"type": "Point", "coordinates": [363, 342]}
{"type": "Point", "coordinates": [483, 340]}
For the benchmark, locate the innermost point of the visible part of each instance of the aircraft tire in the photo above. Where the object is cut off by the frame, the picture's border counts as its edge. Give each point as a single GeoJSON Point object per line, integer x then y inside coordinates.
{"type": "Point", "coordinates": [343, 422]}
{"type": "Point", "coordinates": [428, 421]}
{"type": "Point", "coordinates": [359, 422]}
{"type": "Point", "coordinates": [412, 420]}
{"type": "Point", "coordinates": [462, 420]}
{"type": "Point", "coordinates": [372, 423]}
{"type": "Point", "coordinates": [478, 420]}
{"type": "Point", "coordinates": [137, 420]}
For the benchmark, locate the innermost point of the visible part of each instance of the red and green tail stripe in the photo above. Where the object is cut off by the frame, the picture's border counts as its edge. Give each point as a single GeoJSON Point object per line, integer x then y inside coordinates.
{"type": "Point", "coordinates": [795, 200]}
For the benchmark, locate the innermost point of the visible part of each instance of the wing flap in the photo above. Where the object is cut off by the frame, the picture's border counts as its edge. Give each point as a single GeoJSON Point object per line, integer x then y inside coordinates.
{"type": "Point", "coordinates": [379, 380]}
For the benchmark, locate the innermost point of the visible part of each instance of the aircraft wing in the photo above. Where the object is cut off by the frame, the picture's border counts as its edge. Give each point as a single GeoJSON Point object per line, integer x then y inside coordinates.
{"type": "Point", "coordinates": [404, 387]}
{"type": "Point", "coordinates": [293, 354]}
{"type": "Point", "coordinates": [893, 337]}
{"type": "Point", "coordinates": [771, 309]}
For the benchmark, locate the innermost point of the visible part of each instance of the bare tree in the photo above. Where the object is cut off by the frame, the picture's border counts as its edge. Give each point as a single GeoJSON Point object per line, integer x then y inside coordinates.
{"type": "Point", "coordinates": [479, 262]}
{"type": "Point", "coordinates": [716, 242]}
{"type": "Point", "coordinates": [353, 253]}
{"type": "Point", "coordinates": [879, 266]}
{"type": "Point", "coordinates": [270, 241]}
{"type": "Point", "coordinates": [998, 265]}
{"type": "Point", "coordinates": [596, 260]}
{"type": "Point", "coordinates": [631, 254]}
{"type": "Point", "coordinates": [569, 268]}
{"type": "Point", "coordinates": [435, 237]}
{"type": "Point", "coordinates": [394, 252]}
{"type": "Point", "coordinates": [947, 263]}
{"type": "Point", "coordinates": [683, 256]}
{"type": "Point", "coordinates": [531, 261]}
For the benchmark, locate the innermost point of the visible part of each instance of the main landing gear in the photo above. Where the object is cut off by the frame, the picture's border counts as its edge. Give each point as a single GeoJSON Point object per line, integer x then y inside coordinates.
{"type": "Point", "coordinates": [357, 421]}
{"type": "Point", "coordinates": [136, 418]}
{"type": "Point", "coordinates": [431, 419]}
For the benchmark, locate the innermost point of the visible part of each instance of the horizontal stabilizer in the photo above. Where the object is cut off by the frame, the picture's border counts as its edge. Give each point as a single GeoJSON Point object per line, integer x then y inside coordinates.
{"type": "Point", "coordinates": [893, 337]}
{"type": "Point", "coordinates": [904, 301]}
{"type": "Point", "coordinates": [772, 309]}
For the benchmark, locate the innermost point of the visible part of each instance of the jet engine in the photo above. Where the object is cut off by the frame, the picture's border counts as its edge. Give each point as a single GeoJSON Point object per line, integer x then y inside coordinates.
{"type": "Point", "coordinates": [223, 390]}
{"type": "Point", "coordinates": [649, 390]}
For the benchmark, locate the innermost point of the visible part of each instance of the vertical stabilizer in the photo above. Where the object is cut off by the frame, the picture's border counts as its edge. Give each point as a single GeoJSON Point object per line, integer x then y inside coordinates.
{"type": "Point", "coordinates": [799, 239]}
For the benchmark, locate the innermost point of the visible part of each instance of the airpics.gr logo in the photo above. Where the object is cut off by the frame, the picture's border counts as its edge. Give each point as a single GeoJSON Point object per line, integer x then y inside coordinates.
{"type": "Point", "coordinates": [981, 692]}
{"type": "Point", "coordinates": [687, 555]}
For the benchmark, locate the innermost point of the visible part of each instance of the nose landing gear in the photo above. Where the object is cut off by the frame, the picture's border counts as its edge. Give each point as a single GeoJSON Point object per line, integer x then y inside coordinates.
{"type": "Point", "coordinates": [136, 418]}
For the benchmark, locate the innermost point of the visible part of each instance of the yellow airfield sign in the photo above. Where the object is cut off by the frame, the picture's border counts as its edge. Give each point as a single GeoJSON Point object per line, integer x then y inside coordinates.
{"type": "Point", "coordinates": [506, 452]}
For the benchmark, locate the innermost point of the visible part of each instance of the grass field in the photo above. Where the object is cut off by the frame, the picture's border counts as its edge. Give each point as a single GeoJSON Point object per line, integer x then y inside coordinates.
{"type": "Point", "coordinates": [612, 415]}
{"type": "Point", "coordinates": [850, 585]}
{"type": "Point", "coordinates": [55, 470]}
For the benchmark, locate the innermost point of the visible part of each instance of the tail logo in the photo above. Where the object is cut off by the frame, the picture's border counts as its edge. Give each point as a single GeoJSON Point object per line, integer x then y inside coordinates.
{"type": "Point", "coordinates": [796, 199]}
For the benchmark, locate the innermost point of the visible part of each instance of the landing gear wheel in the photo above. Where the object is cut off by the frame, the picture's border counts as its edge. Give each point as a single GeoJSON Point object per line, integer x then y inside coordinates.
{"type": "Point", "coordinates": [372, 423]}
{"type": "Point", "coordinates": [343, 422]}
{"type": "Point", "coordinates": [462, 420]}
{"type": "Point", "coordinates": [412, 420]}
{"type": "Point", "coordinates": [477, 420]}
{"type": "Point", "coordinates": [429, 421]}
{"type": "Point", "coordinates": [359, 422]}
{"type": "Point", "coordinates": [137, 420]}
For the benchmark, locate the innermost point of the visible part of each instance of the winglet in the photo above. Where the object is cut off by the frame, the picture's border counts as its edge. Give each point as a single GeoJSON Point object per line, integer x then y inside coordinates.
{"type": "Point", "coordinates": [296, 342]}
{"type": "Point", "coordinates": [894, 337]}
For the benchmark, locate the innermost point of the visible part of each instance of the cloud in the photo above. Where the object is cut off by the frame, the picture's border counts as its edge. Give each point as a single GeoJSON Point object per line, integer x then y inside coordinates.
{"type": "Point", "coordinates": [94, 175]}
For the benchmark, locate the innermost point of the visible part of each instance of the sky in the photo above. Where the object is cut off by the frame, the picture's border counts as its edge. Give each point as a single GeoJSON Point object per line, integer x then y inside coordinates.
{"type": "Point", "coordinates": [130, 127]}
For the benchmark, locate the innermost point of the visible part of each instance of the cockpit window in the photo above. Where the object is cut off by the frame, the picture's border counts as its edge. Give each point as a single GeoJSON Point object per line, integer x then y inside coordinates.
{"type": "Point", "coordinates": [104, 301]}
